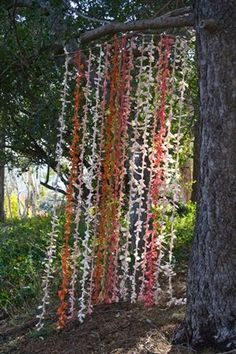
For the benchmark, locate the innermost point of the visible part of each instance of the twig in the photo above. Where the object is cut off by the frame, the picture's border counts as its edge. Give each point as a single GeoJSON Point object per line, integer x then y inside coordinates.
{"type": "Point", "coordinates": [93, 19]}
{"type": "Point", "coordinates": [163, 8]}
{"type": "Point", "coordinates": [178, 12]}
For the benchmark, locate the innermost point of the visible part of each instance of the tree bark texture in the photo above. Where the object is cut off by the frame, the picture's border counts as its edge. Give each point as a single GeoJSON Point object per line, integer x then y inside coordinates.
{"type": "Point", "coordinates": [211, 295]}
{"type": "Point", "coordinates": [2, 179]}
{"type": "Point", "coordinates": [195, 162]}
{"type": "Point", "coordinates": [2, 175]}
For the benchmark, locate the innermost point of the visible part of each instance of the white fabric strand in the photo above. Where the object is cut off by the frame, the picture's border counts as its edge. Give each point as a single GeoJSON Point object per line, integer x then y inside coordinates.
{"type": "Point", "coordinates": [51, 251]}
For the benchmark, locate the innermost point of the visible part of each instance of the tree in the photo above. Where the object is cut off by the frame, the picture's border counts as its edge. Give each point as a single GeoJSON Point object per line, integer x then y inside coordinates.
{"type": "Point", "coordinates": [1, 193]}
{"type": "Point", "coordinates": [211, 307]}
{"type": "Point", "coordinates": [2, 178]}
{"type": "Point", "coordinates": [2, 175]}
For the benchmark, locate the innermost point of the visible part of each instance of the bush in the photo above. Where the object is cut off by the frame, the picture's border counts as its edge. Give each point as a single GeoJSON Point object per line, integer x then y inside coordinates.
{"type": "Point", "coordinates": [184, 226]}
{"type": "Point", "coordinates": [22, 250]}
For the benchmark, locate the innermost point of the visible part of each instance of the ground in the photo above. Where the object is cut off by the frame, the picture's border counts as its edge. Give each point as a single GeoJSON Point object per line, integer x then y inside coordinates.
{"type": "Point", "coordinates": [112, 329]}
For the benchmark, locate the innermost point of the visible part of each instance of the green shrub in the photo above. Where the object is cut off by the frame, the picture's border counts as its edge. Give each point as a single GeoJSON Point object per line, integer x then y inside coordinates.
{"type": "Point", "coordinates": [22, 250]}
{"type": "Point", "coordinates": [184, 226]}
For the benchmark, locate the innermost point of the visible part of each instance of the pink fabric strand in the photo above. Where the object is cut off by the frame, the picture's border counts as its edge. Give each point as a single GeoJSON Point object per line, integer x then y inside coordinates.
{"type": "Point", "coordinates": [157, 157]}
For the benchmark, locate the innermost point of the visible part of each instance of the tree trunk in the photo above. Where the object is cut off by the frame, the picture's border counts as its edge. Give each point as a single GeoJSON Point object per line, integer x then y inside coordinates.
{"type": "Point", "coordinates": [195, 162]}
{"type": "Point", "coordinates": [186, 172]}
{"type": "Point", "coordinates": [211, 305]}
{"type": "Point", "coordinates": [2, 179]}
{"type": "Point", "coordinates": [2, 175]}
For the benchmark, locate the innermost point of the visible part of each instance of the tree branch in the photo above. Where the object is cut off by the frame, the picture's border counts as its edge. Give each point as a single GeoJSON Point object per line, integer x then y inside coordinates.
{"type": "Point", "coordinates": [46, 185]}
{"type": "Point", "coordinates": [35, 149]}
{"type": "Point", "coordinates": [89, 18]}
{"type": "Point", "coordinates": [179, 12]}
{"type": "Point", "coordinates": [163, 8]}
{"type": "Point", "coordinates": [48, 174]}
{"type": "Point", "coordinates": [10, 4]}
{"type": "Point", "coordinates": [52, 188]}
{"type": "Point", "coordinates": [162, 22]}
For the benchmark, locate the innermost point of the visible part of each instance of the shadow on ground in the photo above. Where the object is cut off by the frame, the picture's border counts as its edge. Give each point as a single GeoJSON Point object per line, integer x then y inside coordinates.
{"type": "Point", "coordinates": [112, 329]}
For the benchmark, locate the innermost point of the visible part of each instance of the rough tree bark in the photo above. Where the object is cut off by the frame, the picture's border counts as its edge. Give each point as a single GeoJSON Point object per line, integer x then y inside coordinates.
{"type": "Point", "coordinates": [2, 179]}
{"type": "Point", "coordinates": [211, 304]}
{"type": "Point", "coordinates": [195, 162]}
{"type": "Point", "coordinates": [2, 173]}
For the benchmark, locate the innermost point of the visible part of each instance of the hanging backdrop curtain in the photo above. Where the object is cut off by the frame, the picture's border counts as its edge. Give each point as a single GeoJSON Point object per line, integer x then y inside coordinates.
{"type": "Point", "coordinates": [123, 184]}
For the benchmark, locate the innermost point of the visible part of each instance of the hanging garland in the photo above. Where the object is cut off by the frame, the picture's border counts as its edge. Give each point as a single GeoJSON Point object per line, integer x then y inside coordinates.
{"type": "Point", "coordinates": [121, 172]}
{"type": "Point", "coordinates": [120, 140]}
{"type": "Point", "coordinates": [181, 50]}
{"type": "Point", "coordinates": [134, 171]}
{"type": "Point", "coordinates": [102, 82]}
{"type": "Point", "coordinates": [51, 251]}
{"type": "Point", "coordinates": [91, 180]}
{"type": "Point", "coordinates": [84, 140]}
{"type": "Point", "coordinates": [156, 181]}
{"type": "Point", "coordinates": [73, 153]}
{"type": "Point", "coordinates": [107, 205]}
{"type": "Point", "coordinates": [125, 105]}
{"type": "Point", "coordinates": [150, 168]}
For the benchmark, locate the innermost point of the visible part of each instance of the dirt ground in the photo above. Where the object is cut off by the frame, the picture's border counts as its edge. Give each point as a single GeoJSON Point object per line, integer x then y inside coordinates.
{"type": "Point", "coordinates": [112, 329]}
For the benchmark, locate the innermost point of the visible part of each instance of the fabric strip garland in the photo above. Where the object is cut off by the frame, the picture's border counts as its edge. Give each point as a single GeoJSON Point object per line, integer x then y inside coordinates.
{"type": "Point", "coordinates": [124, 174]}
{"type": "Point", "coordinates": [73, 154]}
{"type": "Point", "coordinates": [51, 251]}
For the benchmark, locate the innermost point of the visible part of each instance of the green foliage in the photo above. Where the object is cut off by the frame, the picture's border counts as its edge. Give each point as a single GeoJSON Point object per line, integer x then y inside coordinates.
{"type": "Point", "coordinates": [184, 226]}
{"type": "Point", "coordinates": [22, 249]}
{"type": "Point", "coordinates": [11, 206]}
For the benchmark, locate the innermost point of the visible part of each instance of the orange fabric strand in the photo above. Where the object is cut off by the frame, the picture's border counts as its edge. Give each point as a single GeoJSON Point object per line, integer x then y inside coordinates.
{"type": "Point", "coordinates": [107, 208]}
{"type": "Point", "coordinates": [73, 153]}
